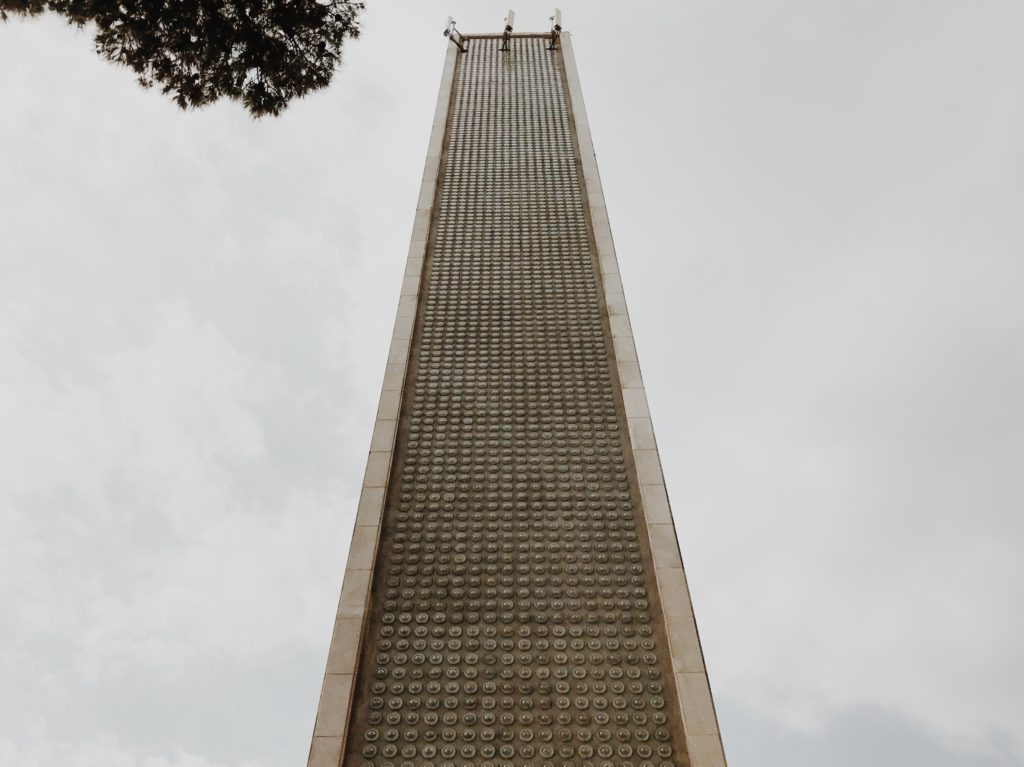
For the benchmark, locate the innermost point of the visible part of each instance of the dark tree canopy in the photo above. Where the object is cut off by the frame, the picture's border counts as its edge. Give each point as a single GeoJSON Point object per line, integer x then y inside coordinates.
{"type": "Point", "coordinates": [263, 53]}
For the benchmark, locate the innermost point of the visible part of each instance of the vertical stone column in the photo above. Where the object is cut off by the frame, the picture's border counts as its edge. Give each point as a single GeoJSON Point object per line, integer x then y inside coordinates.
{"type": "Point", "coordinates": [332, 715]}
{"type": "Point", "coordinates": [514, 592]}
{"type": "Point", "coordinates": [700, 722]}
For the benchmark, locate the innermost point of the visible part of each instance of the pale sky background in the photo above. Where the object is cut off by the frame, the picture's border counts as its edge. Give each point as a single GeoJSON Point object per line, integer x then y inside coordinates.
{"type": "Point", "coordinates": [818, 211]}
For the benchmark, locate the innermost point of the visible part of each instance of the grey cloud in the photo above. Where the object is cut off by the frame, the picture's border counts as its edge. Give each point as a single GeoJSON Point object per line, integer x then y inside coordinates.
{"type": "Point", "coordinates": [816, 210]}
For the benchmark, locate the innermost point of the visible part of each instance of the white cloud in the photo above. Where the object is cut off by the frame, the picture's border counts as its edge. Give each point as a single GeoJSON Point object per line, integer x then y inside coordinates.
{"type": "Point", "coordinates": [845, 434]}
{"type": "Point", "coordinates": [99, 752]}
{"type": "Point", "coordinates": [128, 532]}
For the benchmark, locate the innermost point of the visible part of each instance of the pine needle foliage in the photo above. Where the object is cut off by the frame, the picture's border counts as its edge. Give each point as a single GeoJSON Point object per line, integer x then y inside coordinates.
{"type": "Point", "coordinates": [262, 53]}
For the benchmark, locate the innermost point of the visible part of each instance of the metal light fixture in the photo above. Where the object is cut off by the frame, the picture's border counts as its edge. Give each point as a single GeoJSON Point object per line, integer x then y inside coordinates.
{"type": "Point", "coordinates": [454, 35]}
{"type": "Point", "coordinates": [556, 29]}
{"type": "Point", "coordinates": [506, 35]}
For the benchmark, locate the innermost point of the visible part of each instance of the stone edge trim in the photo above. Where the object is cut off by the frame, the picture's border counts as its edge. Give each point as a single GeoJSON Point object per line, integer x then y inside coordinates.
{"type": "Point", "coordinates": [700, 722]}
{"type": "Point", "coordinates": [330, 729]}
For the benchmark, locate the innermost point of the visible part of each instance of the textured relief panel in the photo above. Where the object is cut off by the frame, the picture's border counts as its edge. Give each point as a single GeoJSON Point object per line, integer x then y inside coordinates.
{"type": "Point", "coordinates": [513, 619]}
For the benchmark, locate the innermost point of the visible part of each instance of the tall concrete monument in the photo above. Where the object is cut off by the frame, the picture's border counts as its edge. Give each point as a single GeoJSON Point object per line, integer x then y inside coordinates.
{"type": "Point", "coordinates": [514, 594]}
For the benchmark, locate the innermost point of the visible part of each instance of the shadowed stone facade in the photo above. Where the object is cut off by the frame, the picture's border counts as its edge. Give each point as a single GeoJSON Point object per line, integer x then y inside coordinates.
{"type": "Point", "coordinates": [514, 594]}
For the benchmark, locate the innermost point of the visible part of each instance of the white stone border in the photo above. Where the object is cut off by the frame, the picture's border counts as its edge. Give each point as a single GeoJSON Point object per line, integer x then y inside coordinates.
{"type": "Point", "coordinates": [700, 722]}
{"type": "Point", "coordinates": [332, 715]}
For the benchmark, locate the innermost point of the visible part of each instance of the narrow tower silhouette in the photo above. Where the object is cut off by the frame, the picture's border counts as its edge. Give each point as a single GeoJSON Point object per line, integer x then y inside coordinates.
{"type": "Point", "coordinates": [514, 594]}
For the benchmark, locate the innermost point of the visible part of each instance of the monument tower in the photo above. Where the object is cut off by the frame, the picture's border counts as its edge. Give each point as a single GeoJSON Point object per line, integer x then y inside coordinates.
{"type": "Point", "coordinates": [514, 594]}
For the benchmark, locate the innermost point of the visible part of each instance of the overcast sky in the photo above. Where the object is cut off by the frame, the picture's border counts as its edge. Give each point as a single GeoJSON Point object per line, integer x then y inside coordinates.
{"type": "Point", "coordinates": [818, 208]}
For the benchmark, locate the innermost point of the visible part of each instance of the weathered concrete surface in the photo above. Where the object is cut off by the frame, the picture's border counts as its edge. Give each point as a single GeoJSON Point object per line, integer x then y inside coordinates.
{"type": "Point", "coordinates": [515, 594]}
